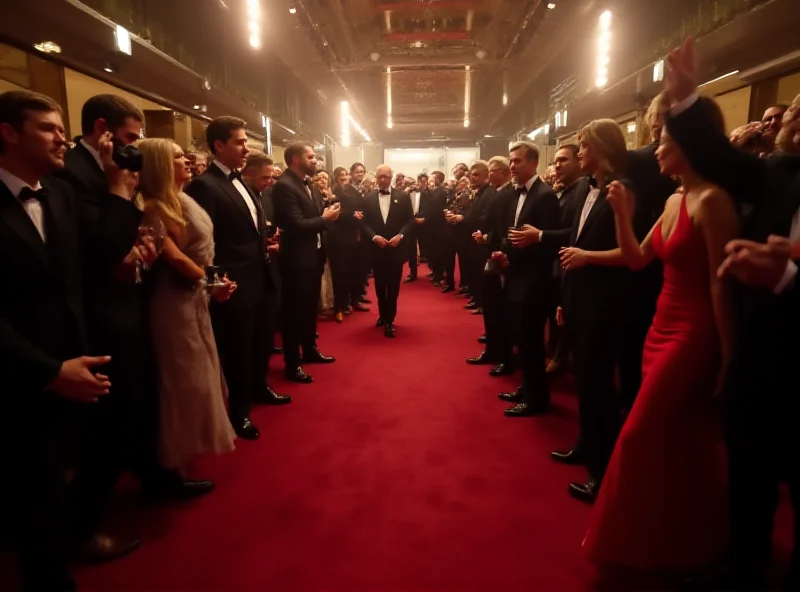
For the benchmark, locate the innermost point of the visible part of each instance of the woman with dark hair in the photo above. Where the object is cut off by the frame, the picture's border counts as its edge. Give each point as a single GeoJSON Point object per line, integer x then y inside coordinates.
{"type": "Point", "coordinates": [663, 501]}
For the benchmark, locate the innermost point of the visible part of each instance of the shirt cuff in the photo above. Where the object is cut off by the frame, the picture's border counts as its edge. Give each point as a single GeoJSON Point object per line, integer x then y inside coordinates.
{"type": "Point", "coordinates": [679, 108]}
{"type": "Point", "coordinates": [374, 237]}
{"type": "Point", "coordinates": [789, 274]}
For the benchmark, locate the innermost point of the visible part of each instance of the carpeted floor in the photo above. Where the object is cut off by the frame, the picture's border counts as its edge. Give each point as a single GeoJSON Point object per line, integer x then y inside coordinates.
{"type": "Point", "coordinates": [394, 471]}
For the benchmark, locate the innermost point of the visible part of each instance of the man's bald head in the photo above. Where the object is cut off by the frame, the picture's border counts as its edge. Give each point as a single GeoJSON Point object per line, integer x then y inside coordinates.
{"type": "Point", "coordinates": [383, 174]}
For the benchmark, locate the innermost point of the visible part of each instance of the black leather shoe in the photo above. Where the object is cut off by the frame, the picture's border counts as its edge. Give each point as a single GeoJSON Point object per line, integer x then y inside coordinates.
{"type": "Point", "coordinates": [380, 322]}
{"type": "Point", "coordinates": [477, 311]}
{"type": "Point", "coordinates": [482, 339]}
{"type": "Point", "coordinates": [298, 375]}
{"type": "Point", "coordinates": [501, 370]}
{"type": "Point", "coordinates": [270, 397]}
{"type": "Point", "coordinates": [365, 301]}
{"type": "Point", "coordinates": [525, 410]}
{"type": "Point", "coordinates": [463, 292]}
{"type": "Point", "coordinates": [315, 356]}
{"type": "Point", "coordinates": [360, 308]}
{"type": "Point", "coordinates": [102, 548]}
{"type": "Point", "coordinates": [471, 305]}
{"type": "Point", "coordinates": [389, 331]}
{"type": "Point", "coordinates": [447, 289]}
{"type": "Point", "coordinates": [514, 397]}
{"type": "Point", "coordinates": [245, 429]}
{"type": "Point", "coordinates": [585, 492]}
{"type": "Point", "coordinates": [483, 358]}
{"type": "Point", "coordinates": [172, 487]}
{"type": "Point", "coordinates": [436, 284]}
{"type": "Point", "coordinates": [411, 278]}
{"type": "Point", "coordinates": [429, 274]}
{"type": "Point", "coordinates": [568, 457]}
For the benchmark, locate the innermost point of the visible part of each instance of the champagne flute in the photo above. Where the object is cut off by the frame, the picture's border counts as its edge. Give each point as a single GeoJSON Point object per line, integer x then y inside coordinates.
{"type": "Point", "coordinates": [146, 236]}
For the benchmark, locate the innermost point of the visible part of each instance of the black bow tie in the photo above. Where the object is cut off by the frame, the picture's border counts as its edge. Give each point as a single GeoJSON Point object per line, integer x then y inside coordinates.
{"type": "Point", "coordinates": [522, 190]}
{"type": "Point", "coordinates": [28, 194]}
{"type": "Point", "coordinates": [592, 182]}
{"type": "Point", "coordinates": [307, 182]}
{"type": "Point", "coordinates": [385, 192]}
{"type": "Point", "coordinates": [235, 175]}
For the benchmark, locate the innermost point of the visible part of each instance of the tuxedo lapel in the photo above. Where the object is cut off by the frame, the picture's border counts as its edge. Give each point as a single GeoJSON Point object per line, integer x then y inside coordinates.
{"type": "Point", "coordinates": [233, 194]}
{"type": "Point", "coordinates": [17, 220]}
{"type": "Point", "coordinates": [597, 208]}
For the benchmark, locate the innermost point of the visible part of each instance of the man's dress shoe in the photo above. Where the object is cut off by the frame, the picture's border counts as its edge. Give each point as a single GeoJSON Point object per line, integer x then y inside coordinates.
{"type": "Point", "coordinates": [585, 492]}
{"type": "Point", "coordinates": [298, 375]}
{"type": "Point", "coordinates": [501, 370]}
{"type": "Point", "coordinates": [483, 358]}
{"type": "Point", "coordinates": [101, 548]}
{"type": "Point", "coordinates": [568, 457]}
{"type": "Point", "coordinates": [245, 429]}
{"type": "Point", "coordinates": [316, 357]}
{"type": "Point", "coordinates": [270, 397]}
{"type": "Point", "coordinates": [525, 410]}
{"type": "Point", "coordinates": [389, 331]}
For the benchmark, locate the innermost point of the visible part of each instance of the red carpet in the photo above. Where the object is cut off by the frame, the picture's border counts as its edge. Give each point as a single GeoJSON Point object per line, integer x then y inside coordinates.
{"type": "Point", "coordinates": [394, 471]}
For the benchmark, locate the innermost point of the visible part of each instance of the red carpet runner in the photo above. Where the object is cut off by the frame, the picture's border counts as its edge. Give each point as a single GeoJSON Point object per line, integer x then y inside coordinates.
{"type": "Point", "coordinates": [394, 471]}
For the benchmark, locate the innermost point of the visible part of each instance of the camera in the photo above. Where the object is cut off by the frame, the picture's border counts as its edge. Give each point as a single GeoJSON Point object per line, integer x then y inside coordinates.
{"type": "Point", "coordinates": [128, 158]}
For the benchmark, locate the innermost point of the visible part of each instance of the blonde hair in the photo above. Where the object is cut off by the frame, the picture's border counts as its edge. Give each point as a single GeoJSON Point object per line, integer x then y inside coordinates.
{"type": "Point", "coordinates": [157, 179]}
{"type": "Point", "coordinates": [605, 136]}
{"type": "Point", "coordinates": [502, 161]}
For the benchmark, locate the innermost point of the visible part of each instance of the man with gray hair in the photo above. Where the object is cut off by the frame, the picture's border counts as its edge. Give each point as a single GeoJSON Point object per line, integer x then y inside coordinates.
{"type": "Point", "coordinates": [388, 216]}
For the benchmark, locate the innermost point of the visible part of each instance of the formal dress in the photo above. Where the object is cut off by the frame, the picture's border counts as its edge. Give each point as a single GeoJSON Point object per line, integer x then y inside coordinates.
{"type": "Point", "coordinates": [191, 389]}
{"type": "Point", "coordinates": [663, 504]}
{"type": "Point", "coordinates": [326, 293]}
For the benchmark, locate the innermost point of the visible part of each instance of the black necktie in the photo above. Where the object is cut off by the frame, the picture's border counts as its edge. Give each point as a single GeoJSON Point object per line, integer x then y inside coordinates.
{"type": "Point", "coordinates": [28, 194]}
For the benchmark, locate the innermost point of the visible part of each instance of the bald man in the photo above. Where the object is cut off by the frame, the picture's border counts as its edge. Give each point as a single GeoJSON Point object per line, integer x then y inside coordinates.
{"type": "Point", "coordinates": [388, 217]}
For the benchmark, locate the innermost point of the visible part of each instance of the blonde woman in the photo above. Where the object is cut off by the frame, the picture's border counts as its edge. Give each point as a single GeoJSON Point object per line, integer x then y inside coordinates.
{"type": "Point", "coordinates": [322, 183]}
{"type": "Point", "coordinates": [191, 388]}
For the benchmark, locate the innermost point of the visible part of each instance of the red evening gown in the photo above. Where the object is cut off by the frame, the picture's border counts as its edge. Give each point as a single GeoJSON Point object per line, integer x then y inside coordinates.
{"type": "Point", "coordinates": [663, 502]}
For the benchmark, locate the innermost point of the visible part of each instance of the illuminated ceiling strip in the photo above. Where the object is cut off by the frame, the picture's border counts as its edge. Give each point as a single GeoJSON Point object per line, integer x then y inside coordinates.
{"type": "Point", "coordinates": [254, 23]}
{"type": "Point", "coordinates": [604, 45]}
{"type": "Point", "coordinates": [467, 95]}
{"type": "Point", "coordinates": [389, 122]}
{"type": "Point", "coordinates": [723, 77]}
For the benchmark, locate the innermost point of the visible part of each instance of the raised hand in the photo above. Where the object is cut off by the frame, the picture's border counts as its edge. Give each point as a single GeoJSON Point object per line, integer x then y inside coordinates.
{"type": "Point", "coordinates": [620, 199]}
{"type": "Point", "coordinates": [682, 78]}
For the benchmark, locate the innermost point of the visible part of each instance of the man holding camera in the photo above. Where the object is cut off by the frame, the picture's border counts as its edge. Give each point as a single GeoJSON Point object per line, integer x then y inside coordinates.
{"type": "Point", "coordinates": [122, 428]}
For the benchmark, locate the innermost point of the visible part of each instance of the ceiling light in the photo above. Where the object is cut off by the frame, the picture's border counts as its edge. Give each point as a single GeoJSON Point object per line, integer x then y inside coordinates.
{"type": "Point", "coordinates": [197, 107]}
{"type": "Point", "coordinates": [418, 44]}
{"type": "Point", "coordinates": [389, 123]}
{"type": "Point", "coordinates": [292, 10]}
{"type": "Point", "coordinates": [374, 56]}
{"type": "Point", "coordinates": [123, 39]}
{"type": "Point", "coordinates": [723, 77]}
{"type": "Point", "coordinates": [255, 41]}
{"type": "Point", "coordinates": [109, 67]}
{"type": "Point", "coordinates": [631, 127]}
{"type": "Point", "coordinates": [658, 71]}
{"type": "Point", "coordinates": [603, 47]}
{"type": "Point", "coordinates": [605, 19]}
{"type": "Point", "coordinates": [253, 18]}
{"type": "Point", "coordinates": [480, 54]}
{"type": "Point", "coordinates": [466, 123]}
{"type": "Point", "coordinates": [206, 84]}
{"type": "Point", "coordinates": [47, 47]}
{"type": "Point", "coordinates": [551, 6]}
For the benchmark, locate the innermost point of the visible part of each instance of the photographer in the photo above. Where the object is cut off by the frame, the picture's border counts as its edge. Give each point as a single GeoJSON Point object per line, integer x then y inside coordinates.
{"type": "Point", "coordinates": [122, 427]}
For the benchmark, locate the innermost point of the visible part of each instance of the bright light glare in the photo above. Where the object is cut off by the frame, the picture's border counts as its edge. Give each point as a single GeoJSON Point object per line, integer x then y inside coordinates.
{"type": "Point", "coordinates": [603, 47]}
{"type": "Point", "coordinates": [605, 19]}
{"type": "Point", "coordinates": [253, 18]}
{"type": "Point", "coordinates": [466, 123]}
{"type": "Point", "coordinates": [658, 71]}
{"type": "Point", "coordinates": [123, 40]}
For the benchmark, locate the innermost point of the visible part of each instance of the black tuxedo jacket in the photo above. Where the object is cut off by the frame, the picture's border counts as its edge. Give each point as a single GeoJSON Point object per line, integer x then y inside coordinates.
{"type": "Point", "coordinates": [766, 323]}
{"type": "Point", "coordinates": [399, 221]}
{"type": "Point", "coordinates": [300, 218]}
{"type": "Point", "coordinates": [434, 208]}
{"type": "Point", "coordinates": [424, 202]}
{"type": "Point", "coordinates": [42, 317]}
{"type": "Point", "coordinates": [112, 306]}
{"type": "Point", "coordinates": [529, 271]}
{"type": "Point", "coordinates": [475, 218]}
{"type": "Point", "coordinates": [495, 225]}
{"type": "Point", "coordinates": [593, 295]}
{"type": "Point", "coordinates": [238, 243]}
{"type": "Point", "coordinates": [344, 231]}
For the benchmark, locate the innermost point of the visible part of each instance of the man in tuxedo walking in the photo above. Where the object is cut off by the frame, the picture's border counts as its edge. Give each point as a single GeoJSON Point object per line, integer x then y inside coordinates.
{"type": "Point", "coordinates": [44, 236]}
{"type": "Point", "coordinates": [303, 221]}
{"type": "Point", "coordinates": [388, 217]}
{"type": "Point", "coordinates": [241, 325]}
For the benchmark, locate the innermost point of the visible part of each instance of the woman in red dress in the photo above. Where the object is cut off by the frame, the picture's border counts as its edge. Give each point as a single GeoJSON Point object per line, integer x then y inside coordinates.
{"type": "Point", "coordinates": [663, 504]}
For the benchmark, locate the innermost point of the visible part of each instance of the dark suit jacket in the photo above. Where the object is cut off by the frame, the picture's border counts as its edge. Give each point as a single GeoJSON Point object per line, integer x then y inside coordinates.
{"type": "Point", "coordinates": [300, 218]}
{"type": "Point", "coordinates": [475, 218]}
{"type": "Point", "coordinates": [113, 307]}
{"type": "Point", "coordinates": [494, 226]}
{"type": "Point", "coordinates": [238, 243]}
{"type": "Point", "coordinates": [434, 208]}
{"type": "Point", "coordinates": [345, 230]}
{"type": "Point", "coordinates": [529, 271]}
{"type": "Point", "coordinates": [42, 317]}
{"type": "Point", "coordinates": [399, 221]}
{"type": "Point", "coordinates": [766, 323]}
{"type": "Point", "coordinates": [594, 296]}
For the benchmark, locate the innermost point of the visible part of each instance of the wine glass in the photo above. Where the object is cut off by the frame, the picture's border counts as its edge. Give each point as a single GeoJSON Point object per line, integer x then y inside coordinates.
{"type": "Point", "coordinates": [146, 236]}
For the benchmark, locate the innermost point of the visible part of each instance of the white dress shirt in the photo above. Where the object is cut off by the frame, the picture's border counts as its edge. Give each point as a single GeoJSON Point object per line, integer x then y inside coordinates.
{"type": "Point", "coordinates": [385, 202]}
{"type": "Point", "coordinates": [522, 198]}
{"type": "Point", "coordinates": [790, 273]}
{"type": "Point", "coordinates": [587, 207]}
{"type": "Point", "coordinates": [32, 207]}
{"type": "Point", "coordinates": [248, 199]}
{"type": "Point", "coordinates": [415, 201]}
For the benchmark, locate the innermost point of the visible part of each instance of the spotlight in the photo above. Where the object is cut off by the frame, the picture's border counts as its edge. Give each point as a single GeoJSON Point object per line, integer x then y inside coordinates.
{"type": "Point", "coordinates": [47, 47]}
{"type": "Point", "coordinates": [374, 56]}
{"type": "Point", "coordinates": [292, 10]}
{"type": "Point", "coordinates": [551, 6]}
{"type": "Point", "coordinates": [109, 67]}
{"type": "Point", "coordinates": [480, 54]}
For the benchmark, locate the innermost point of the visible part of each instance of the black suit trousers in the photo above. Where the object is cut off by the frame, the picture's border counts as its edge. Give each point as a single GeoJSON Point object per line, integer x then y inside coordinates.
{"type": "Point", "coordinates": [244, 341]}
{"type": "Point", "coordinates": [301, 292]}
{"type": "Point", "coordinates": [596, 352]}
{"type": "Point", "coordinates": [388, 275]}
{"type": "Point", "coordinates": [412, 241]}
{"type": "Point", "coordinates": [530, 318]}
{"type": "Point", "coordinates": [346, 274]}
{"type": "Point", "coordinates": [495, 319]}
{"type": "Point", "coordinates": [35, 497]}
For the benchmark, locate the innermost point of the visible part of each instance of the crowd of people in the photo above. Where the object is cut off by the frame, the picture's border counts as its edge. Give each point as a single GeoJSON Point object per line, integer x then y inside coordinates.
{"type": "Point", "coordinates": [148, 286]}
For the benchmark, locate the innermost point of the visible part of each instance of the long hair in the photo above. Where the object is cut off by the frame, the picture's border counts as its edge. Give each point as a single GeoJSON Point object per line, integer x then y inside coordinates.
{"type": "Point", "coordinates": [157, 179]}
{"type": "Point", "coordinates": [605, 136]}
